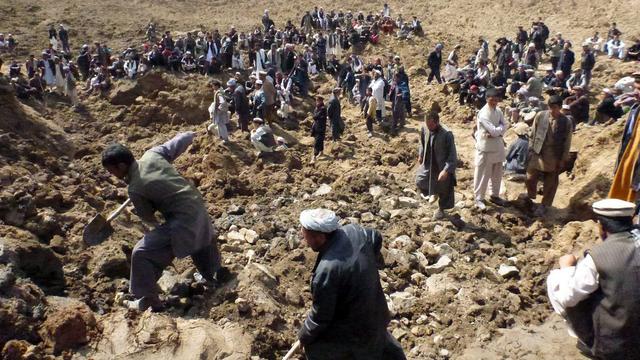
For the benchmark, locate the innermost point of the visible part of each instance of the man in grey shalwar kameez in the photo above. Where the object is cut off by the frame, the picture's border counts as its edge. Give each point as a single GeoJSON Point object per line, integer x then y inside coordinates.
{"type": "Point", "coordinates": [154, 185]}
{"type": "Point", "coordinates": [438, 159]}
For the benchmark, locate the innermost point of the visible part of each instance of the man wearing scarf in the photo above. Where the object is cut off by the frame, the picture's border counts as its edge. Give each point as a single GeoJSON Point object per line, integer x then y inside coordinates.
{"type": "Point", "coordinates": [349, 316]}
{"type": "Point", "coordinates": [549, 152]}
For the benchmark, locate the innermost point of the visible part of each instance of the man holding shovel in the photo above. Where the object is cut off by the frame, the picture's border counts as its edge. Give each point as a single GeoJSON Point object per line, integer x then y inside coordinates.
{"type": "Point", "coordinates": [154, 185]}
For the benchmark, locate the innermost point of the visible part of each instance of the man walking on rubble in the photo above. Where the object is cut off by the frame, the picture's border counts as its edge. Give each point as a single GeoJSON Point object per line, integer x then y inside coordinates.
{"type": "Point", "coordinates": [154, 185]}
{"type": "Point", "coordinates": [349, 316]}
{"type": "Point", "coordinates": [438, 159]}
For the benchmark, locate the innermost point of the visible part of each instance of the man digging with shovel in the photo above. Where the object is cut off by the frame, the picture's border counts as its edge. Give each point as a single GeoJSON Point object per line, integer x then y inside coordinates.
{"type": "Point", "coordinates": [154, 185]}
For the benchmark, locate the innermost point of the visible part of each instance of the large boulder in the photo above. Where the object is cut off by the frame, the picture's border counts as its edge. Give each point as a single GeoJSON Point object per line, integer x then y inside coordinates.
{"type": "Point", "coordinates": [69, 324]}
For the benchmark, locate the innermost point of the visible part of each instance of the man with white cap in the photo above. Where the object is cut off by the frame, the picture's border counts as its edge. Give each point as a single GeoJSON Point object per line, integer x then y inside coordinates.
{"type": "Point", "coordinates": [349, 316]}
{"type": "Point", "coordinates": [599, 296]}
{"type": "Point", "coordinates": [262, 137]}
{"type": "Point", "coordinates": [491, 126]}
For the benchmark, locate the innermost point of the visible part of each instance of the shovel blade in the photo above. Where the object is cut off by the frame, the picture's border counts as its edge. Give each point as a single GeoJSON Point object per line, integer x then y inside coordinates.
{"type": "Point", "coordinates": [97, 231]}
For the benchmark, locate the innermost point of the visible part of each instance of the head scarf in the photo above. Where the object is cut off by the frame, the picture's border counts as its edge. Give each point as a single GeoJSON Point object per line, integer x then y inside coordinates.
{"type": "Point", "coordinates": [321, 220]}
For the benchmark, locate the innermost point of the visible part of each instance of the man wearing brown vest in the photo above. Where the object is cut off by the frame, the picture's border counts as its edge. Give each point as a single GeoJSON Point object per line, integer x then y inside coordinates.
{"type": "Point", "coordinates": [548, 152]}
{"type": "Point", "coordinates": [599, 296]}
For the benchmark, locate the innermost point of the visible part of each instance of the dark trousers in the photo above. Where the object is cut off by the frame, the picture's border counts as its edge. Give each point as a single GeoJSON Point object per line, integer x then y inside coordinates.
{"type": "Point", "coordinates": [153, 253]}
{"type": "Point", "coordinates": [435, 71]}
{"type": "Point", "coordinates": [554, 62]}
{"type": "Point", "coordinates": [369, 124]}
{"type": "Point", "coordinates": [549, 185]}
{"type": "Point", "coordinates": [318, 146]}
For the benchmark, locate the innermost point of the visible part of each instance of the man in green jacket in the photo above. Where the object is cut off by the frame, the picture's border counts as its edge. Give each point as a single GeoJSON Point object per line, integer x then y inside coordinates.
{"type": "Point", "coordinates": [154, 185]}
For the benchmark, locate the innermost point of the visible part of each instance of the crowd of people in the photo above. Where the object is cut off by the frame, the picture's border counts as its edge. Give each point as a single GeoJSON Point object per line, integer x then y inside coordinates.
{"type": "Point", "coordinates": [545, 86]}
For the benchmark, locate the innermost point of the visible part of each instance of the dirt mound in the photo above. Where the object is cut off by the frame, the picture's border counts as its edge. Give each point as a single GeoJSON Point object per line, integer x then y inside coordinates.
{"type": "Point", "coordinates": [162, 336]}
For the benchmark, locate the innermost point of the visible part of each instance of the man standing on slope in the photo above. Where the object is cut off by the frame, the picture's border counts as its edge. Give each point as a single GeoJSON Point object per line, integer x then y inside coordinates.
{"type": "Point", "coordinates": [490, 154]}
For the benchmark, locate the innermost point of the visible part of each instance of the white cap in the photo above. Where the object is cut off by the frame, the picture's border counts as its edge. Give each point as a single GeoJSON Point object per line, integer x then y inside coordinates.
{"type": "Point", "coordinates": [614, 208]}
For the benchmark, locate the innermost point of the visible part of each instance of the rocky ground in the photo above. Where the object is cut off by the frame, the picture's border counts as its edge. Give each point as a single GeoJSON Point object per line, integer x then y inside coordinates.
{"type": "Point", "coordinates": [469, 288]}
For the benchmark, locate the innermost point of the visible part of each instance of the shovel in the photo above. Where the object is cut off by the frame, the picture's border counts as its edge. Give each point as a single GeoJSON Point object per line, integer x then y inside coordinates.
{"type": "Point", "coordinates": [292, 351]}
{"type": "Point", "coordinates": [99, 228]}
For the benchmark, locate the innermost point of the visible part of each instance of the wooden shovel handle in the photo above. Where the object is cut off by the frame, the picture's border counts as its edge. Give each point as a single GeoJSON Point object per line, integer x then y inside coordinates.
{"type": "Point", "coordinates": [293, 349]}
{"type": "Point", "coordinates": [118, 210]}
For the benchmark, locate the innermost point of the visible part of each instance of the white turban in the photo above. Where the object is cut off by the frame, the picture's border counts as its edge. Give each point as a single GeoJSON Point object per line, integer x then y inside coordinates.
{"type": "Point", "coordinates": [321, 220]}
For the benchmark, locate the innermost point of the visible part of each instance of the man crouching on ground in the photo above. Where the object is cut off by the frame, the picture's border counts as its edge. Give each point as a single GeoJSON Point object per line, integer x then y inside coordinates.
{"type": "Point", "coordinates": [154, 185]}
{"type": "Point", "coordinates": [349, 316]}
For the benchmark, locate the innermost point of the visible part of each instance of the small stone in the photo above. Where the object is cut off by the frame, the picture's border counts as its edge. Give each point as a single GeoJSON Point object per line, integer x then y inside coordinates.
{"type": "Point", "coordinates": [385, 215]}
{"type": "Point", "coordinates": [243, 305]}
{"type": "Point", "coordinates": [323, 189]}
{"type": "Point", "coordinates": [513, 260]}
{"type": "Point", "coordinates": [444, 353]}
{"type": "Point", "coordinates": [399, 333]}
{"type": "Point", "coordinates": [409, 192]}
{"type": "Point", "coordinates": [367, 217]}
{"type": "Point", "coordinates": [418, 278]}
{"type": "Point", "coordinates": [235, 210]}
{"type": "Point", "coordinates": [444, 249]}
{"type": "Point", "coordinates": [437, 229]}
{"type": "Point", "coordinates": [437, 339]}
{"type": "Point", "coordinates": [293, 297]}
{"type": "Point", "coordinates": [376, 192]}
{"type": "Point", "coordinates": [422, 319]}
{"type": "Point", "coordinates": [440, 265]}
{"type": "Point", "coordinates": [57, 244]}
{"type": "Point", "coordinates": [118, 299]}
{"type": "Point", "coordinates": [508, 271]}
{"type": "Point", "coordinates": [249, 235]}
{"type": "Point", "coordinates": [491, 274]}
{"type": "Point", "coordinates": [417, 331]}
{"type": "Point", "coordinates": [407, 202]}
{"type": "Point", "coordinates": [403, 301]}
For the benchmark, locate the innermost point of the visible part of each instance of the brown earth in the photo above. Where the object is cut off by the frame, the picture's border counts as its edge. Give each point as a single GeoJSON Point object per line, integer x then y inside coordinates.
{"type": "Point", "coordinates": [52, 184]}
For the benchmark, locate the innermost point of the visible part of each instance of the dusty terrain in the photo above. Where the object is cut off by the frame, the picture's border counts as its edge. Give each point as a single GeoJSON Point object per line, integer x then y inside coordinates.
{"type": "Point", "coordinates": [59, 298]}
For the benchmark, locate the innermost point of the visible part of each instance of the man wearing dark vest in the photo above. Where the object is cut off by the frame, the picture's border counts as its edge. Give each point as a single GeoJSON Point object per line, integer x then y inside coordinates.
{"type": "Point", "coordinates": [599, 296]}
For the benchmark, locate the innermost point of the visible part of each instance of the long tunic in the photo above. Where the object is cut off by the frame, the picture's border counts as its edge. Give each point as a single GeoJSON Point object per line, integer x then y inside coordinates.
{"type": "Point", "coordinates": [438, 152]}
{"type": "Point", "coordinates": [218, 111]}
{"type": "Point", "coordinates": [156, 186]}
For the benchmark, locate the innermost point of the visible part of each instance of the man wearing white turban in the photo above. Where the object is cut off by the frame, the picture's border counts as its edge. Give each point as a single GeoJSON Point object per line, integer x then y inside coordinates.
{"type": "Point", "coordinates": [349, 316]}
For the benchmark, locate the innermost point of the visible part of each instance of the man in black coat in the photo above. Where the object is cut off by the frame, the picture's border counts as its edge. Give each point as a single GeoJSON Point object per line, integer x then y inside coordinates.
{"type": "Point", "coordinates": [334, 114]}
{"type": "Point", "coordinates": [240, 103]}
{"type": "Point", "coordinates": [434, 62]}
{"type": "Point", "coordinates": [84, 61]}
{"type": "Point", "coordinates": [567, 58]}
{"type": "Point", "coordinates": [349, 316]}
{"type": "Point", "coordinates": [319, 128]}
{"type": "Point", "coordinates": [63, 35]}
